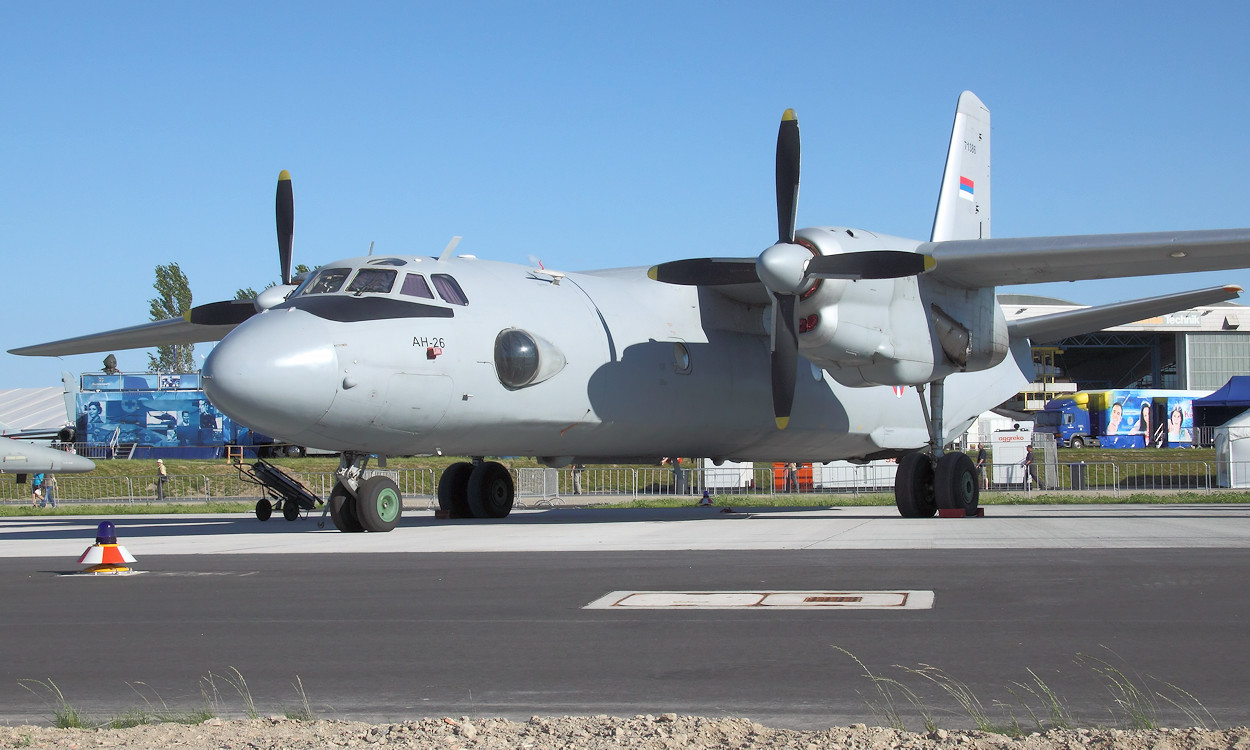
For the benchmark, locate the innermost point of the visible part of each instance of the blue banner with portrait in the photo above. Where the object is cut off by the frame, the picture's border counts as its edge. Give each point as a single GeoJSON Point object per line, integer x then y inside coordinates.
{"type": "Point", "coordinates": [1127, 420]}
{"type": "Point", "coordinates": [1180, 422]}
{"type": "Point", "coordinates": [178, 423]}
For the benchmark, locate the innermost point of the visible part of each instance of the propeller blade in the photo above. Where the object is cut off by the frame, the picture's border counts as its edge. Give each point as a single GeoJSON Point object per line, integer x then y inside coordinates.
{"type": "Point", "coordinates": [785, 356]}
{"type": "Point", "coordinates": [706, 272]}
{"type": "Point", "coordinates": [284, 209]}
{"type": "Point", "coordinates": [228, 313]}
{"type": "Point", "coordinates": [787, 176]}
{"type": "Point", "coordinates": [876, 264]}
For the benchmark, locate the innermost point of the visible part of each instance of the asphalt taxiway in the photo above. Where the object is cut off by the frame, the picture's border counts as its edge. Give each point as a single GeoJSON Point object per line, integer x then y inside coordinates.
{"type": "Point", "coordinates": [496, 618]}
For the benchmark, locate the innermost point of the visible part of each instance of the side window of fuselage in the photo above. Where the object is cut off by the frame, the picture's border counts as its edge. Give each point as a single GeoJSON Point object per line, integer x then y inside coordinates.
{"type": "Point", "coordinates": [448, 289]}
{"type": "Point", "coordinates": [415, 286]}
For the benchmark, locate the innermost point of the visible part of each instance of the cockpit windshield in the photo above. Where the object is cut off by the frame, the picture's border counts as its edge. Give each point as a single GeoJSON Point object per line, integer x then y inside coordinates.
{"type": "Point", "coordinates": [377, 280]}
{"type": "Point", "coordinates": [327, 281]}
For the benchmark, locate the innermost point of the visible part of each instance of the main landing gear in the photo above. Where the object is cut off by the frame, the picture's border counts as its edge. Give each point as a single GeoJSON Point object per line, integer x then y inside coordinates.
{"type": "Point", "coordinates": [363, 504]}
{"type": "Point", "coordinates": [481, 489]}
{"type": "Point", "coordinates": [931, 480]}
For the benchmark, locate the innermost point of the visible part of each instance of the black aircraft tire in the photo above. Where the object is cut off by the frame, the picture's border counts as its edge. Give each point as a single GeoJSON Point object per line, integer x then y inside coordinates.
{"type": "Point", "coordinates": [343, 510]}
{"type": "Point", "coordinates": [379, 504]}
{"type": "Point", "coordinates": [264, 509]}
{"type": "Point", "coordinates": [957, 483]}
{"type": "Point", "coordinates": [290, 510]}
{"type": "Point", "coordinates": [491, 490]}
{"type": "Point", "coordinates": [913, 487]}
{"type": "Point", "coordinates": [453, 489]}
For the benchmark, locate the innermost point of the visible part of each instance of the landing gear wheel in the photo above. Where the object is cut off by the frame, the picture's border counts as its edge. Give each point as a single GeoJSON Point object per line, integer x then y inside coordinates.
{"type": "Point", "coordinates": [290, 510]}
{"type": "Point", "coordinates": [913, 487]}
{"type": "Point", "coordinates": [379, 504]}
{"type": "Point", "coordinates": [491, 490]}
{"type": "Point", "coordinates": [343, 510]}
{"type": "Point", "coordinates": [264, 509]}
{"type": "Point", "coordinates": [955, 482]}
{"type": "Point", "coordinates": [453, 489]}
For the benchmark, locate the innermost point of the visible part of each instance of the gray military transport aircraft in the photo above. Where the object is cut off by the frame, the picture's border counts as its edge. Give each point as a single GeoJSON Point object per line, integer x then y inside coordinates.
{"type": "Point", "coordinates": [805, 352]}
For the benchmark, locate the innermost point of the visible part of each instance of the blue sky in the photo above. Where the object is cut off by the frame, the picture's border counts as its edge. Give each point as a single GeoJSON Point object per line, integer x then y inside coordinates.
{"type": "Point", "coordinates": [588, 135]}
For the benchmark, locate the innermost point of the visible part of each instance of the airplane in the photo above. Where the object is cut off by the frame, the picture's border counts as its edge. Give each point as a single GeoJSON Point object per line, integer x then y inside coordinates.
{"type": "Point", "coordinates": [18, 457]}
{"type": "Point", "coordinates": [805, 352]}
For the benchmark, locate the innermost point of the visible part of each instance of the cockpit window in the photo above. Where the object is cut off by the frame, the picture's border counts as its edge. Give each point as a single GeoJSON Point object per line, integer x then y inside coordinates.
{"type": "Point", "coordinates": [415, 286]}
{"type": "Point", "coordinates": [388, 262]}
{"type": "Point", "coordinates": [448, 289]}
{"type": "Point", "coordinates": [326, 281]}
{"type": "Point", "coordinates": [379, 280]}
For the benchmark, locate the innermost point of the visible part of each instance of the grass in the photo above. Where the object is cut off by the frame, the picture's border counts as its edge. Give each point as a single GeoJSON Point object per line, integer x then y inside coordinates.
{"type": "Point", "coordinates": [1135, 699]}
{"type": "Point", "coordinates": [1135, 702]}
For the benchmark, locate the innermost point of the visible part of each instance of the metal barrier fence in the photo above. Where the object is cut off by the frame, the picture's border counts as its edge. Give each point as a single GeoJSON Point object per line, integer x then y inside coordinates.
{"type": "Point", "coordinates": [415, 484]}
{"type": "Point", "coordinates": [539, 486]}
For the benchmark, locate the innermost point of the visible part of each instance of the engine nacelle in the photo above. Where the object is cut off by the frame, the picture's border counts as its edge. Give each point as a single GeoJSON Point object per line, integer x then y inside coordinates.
{"type": "Point", "coordinates": [903, 331]}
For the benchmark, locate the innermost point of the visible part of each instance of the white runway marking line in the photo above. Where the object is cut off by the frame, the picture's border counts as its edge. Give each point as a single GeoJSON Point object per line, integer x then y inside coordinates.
{"type": "Point", "coordinates": [764, 600]}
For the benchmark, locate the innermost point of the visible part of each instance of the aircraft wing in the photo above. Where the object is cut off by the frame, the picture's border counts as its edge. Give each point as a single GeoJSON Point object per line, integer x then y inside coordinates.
{"type": "Point", "coordinates": [160, 333]}
{"type": "Point", "coordinates": [1028, 260]}
{"type": "Point", "coordinates": [1042, 329]}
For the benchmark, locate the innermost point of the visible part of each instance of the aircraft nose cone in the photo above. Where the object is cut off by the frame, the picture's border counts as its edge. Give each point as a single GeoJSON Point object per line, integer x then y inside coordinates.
{"type": "Point", "coordinates": [72, 463]}
{"type": "Point", "coordinates": [275, 373]}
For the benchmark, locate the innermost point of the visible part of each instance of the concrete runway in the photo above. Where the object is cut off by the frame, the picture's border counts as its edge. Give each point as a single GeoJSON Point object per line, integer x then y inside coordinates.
{"type": "Point", "coordinates": [489, 618]}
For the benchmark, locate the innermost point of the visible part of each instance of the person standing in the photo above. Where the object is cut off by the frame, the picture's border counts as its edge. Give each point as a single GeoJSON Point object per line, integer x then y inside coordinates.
{"type": "Point", "coordinates": [577, 478]}
{"type": "Point", "coordinates": [1030, 469]}
{"type": "Point", "coordinates": [792, 477]}
{"type": "Point", "coordinates": [981, 458]}
{"type": "Point", "coordinates": [161, 478]}
{"type": "Point", "coordinates": [36, 490]}
{"type": "Point", "coordinates": [49, 490]}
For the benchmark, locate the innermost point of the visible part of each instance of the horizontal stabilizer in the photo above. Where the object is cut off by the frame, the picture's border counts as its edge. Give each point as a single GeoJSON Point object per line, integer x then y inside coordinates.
{"type": "Point", "coordinates": [974, 264]}
{"type": "Point", "coordinates": [160, 333]}
{"type": "Point", "coordinates": [1047, 328]}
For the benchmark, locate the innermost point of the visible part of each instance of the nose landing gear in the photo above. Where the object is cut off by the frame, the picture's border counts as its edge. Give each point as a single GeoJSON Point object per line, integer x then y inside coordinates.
{"type": "Point", "coordinates": [369, 504]}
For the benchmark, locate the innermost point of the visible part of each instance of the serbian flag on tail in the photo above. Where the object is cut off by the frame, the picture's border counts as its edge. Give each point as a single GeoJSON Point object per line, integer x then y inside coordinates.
{"type": "Point", "coordinates": [965, 188]}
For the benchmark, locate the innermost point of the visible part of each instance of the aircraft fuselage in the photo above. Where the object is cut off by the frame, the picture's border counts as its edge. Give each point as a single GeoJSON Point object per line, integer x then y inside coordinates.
{"type": "Point", "coordinates": [627, 368]}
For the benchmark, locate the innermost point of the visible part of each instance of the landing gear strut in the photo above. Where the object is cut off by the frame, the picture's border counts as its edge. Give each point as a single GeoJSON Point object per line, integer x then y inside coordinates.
{"type": "Point", "coordinates": [932, 480]}
{"type": "Point", "coordinates": [482, 489]}
{"type": "Point", "coordinates": [360, 504]}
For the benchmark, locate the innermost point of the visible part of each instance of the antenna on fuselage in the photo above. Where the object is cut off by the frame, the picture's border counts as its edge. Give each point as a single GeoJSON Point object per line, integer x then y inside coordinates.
{"type": "Point", "coordinates": [371, 248]}
{"type": "Point", "coordinates": [451, 246]}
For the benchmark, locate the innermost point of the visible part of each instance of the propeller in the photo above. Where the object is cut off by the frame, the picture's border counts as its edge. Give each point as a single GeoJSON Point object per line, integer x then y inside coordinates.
{"type": "Point", "coordinates": [284, 211]}
{"type": "Point", "coordinates": [786, 268]}
{"type": "Point", "coordinates": [233, 312]}
{"type": "Point", "coordinates": [776, 267]}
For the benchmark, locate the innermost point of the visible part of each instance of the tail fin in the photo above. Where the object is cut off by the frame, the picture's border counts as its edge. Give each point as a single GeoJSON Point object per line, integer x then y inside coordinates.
{"type": "Point", "coordinates": [963, 209]}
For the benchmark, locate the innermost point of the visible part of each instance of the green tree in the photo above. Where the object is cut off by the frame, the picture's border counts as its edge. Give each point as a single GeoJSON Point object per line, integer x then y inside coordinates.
{"type": "Point", "coordinates": [250, 293]}
{"type": "Point", "coordinates": [173, 300]}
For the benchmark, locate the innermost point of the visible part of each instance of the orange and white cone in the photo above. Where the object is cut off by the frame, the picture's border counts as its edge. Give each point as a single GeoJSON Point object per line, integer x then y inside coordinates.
{"type": "Point", "coordinates": [106, 555]}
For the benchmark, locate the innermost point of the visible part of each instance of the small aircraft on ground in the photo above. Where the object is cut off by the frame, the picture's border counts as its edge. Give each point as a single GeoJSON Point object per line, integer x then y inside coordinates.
{"type": "Point", "coordinates": [18, 457]}
{"type": "Point", "coordinates": [804, 352]}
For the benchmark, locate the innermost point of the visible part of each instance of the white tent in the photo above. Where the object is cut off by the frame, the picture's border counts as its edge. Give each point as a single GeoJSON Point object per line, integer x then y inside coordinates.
{"type": "Point", "coordinates": [1232, 452]}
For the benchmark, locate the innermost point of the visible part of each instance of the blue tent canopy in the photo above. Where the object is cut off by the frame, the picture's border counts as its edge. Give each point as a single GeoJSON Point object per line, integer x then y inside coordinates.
{"type": "Point", "coordinates": [1229, 401]}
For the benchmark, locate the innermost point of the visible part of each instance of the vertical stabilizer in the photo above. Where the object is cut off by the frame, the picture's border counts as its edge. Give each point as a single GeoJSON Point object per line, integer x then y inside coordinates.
{"type": "Point", "coordinates": [963, 209]}
{"type": "Point", "coordinates": [70, 394]}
